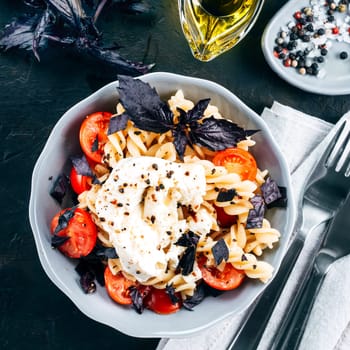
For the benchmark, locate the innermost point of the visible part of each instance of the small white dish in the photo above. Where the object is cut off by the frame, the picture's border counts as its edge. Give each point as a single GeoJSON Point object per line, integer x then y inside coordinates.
{"type": "Point", "coordinates": [54, 159]}
{"type": "Point", "coordinates": [336, 80]}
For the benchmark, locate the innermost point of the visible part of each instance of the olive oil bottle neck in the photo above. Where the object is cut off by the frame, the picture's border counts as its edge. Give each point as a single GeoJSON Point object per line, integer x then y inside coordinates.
{"type": "Point", "coordinates": [221, 7]}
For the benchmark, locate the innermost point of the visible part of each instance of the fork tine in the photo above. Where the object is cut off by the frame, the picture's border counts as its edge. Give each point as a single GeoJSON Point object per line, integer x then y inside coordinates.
{"type": "Point", "coordinates": [339, 145]}
{"type": "Point", "coordinates": [347, 172]}
{"type": "Point", "coordinates": [344, 156]}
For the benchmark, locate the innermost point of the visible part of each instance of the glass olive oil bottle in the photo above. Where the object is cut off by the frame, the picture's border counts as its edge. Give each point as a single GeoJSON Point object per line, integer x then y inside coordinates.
{"type": "Point", "coordinates": [212, 27]}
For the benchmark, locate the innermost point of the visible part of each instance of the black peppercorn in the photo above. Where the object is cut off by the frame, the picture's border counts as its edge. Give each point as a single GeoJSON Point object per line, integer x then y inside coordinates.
{"type": "Point", "coordinates": [343, 55]}
{"type": "Point", "coordinates": [324, 52]}
{"type": "Point", "coordinates": [278, 49]}
{"type": "Point", "coordinates": [293, 36]}
{"type": "Point", "coordinates": [310, 27]}
{"type": "Point", "coordinates": [301, 63]}
{"type": "Point", "coordinates": [309, 70]}
{"type": "Point", "coordinates": [291, 45]}
{"type": "Point", "coordinates": [309, 18]}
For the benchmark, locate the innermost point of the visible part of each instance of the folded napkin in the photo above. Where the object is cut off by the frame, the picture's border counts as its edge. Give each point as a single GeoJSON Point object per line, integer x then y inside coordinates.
{"type": "Point", "coordinates": [302, 138]}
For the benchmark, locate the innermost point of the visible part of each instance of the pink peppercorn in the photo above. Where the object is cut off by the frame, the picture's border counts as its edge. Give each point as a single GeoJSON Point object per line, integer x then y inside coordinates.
{"type": "Point", "coordinates": [287, 62]}
{"type": "Point", "coordinates": [297, 15]}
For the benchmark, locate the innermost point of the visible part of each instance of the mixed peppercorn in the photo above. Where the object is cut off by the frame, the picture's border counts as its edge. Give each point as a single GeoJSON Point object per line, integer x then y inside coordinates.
{"type": "Point", "coordinates": [305, 41]}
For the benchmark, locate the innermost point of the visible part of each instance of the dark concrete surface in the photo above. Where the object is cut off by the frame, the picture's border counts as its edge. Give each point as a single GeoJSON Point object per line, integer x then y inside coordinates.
{"type": "Point", "coordinates": [34, 314]}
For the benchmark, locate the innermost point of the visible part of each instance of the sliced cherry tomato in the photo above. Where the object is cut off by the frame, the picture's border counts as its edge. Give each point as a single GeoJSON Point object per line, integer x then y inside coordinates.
{"type": "Point", "coordinates": [79, 183]}
{"type": "Point", "coordinates": [159, 301]}
{"type": "Point", "coordinates": [224, 219]}
{"type": "Point", "coordinates": [81, 231]}
{"type": "Point", "coordinates": [118, 287]}
{"type": "Point", "coordinates": [93, 135]}
{"type": "Point", "coordinates": [239, 161]}
{"type": "Point", "coordinates": [229, 278]}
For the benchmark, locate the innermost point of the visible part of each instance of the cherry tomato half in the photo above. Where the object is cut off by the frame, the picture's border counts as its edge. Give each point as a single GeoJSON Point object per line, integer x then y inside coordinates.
{"type": "Point", "coordinates": [93, 135]}
{"type": "Point", "coordinates": [118, 287]}
{"type": "Point", "coordinates": [159, 301]}
{"type": "Point", "coordinates": [81, 230]}
{"type": "Point", "coordinates": [224, 219]}
{"type": "Point", "coordinates": [239, 161]}
{"type": "Point", "coordinates": [228, 279]}
{"type": "Point", "coordinates": [79, 183]}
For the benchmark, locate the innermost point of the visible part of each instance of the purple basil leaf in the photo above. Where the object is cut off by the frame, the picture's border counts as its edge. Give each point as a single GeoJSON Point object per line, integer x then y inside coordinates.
{"type": "Point", "coordinates": [87, 282]}
{"type": "Point", "coordinates": [39, 31]}
{"type": "Point", "coordinates": [193, 115]}
{"type": "Point", "coordinates": [180, 140]}
{"type": "Point", "coordinates": [188, 239]}
{"type": "Point", "coordinates": [143, 105]}
{"type": "Point", "coordinates": [270, 191]}
{"type": "Point", "coordinates": [217, 134]}
{"type": "Point", "coordinates": [60, 188]}
{"type": "Point", "coordinates": [197, 297]}
{"type": "Point", "coordinates": [182, 118]}
{"type": "Point", "coordinates": [63, 219]}
{"type": "Point", "coordinates": [90, 268]}
{"type": "Point", "coordinates": [19, 33]}
{"type": "Point", "coordinates": [35, 3]}
{"type": "Point", "coordinates": [170, 290]}
{"type": "Point", "coordinates": [137, 299]}
{"type": "Point", "coordinates": [197, 111]}
{"type": "Point", "coordinates": [71, 10]}
{"type": "Point", "coordinates": [186, 261]}
{"type": "Point", "coordinates": [280, 202]}
{"type": "Point", "coordinates": [225, 195]}
{"type": "Point", "coordinates": [82, 166]}
{"type": "Point", "coordinates": [220, 251]}
{"type": "Point", "coordinates": [105, 252]}
{"type": "Point", "coordinates": [117, 123]}
{"type": "Point", "coordinates": [92, 264]}
{"type": "Point", "coordinates": [57, 241]}
{"type": "Point", "coordinates": [256, 215]}
{"type": "Point", "coordinates": [110, 57]}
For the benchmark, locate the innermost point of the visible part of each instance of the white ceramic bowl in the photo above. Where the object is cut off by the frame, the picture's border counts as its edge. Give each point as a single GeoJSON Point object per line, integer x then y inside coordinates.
{"type": "Point", "coordinates": [54, 159]}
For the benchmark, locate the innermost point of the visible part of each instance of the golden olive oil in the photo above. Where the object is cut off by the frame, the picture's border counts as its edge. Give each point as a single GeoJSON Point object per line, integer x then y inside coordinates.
{"type": "Point", "coordinates": [212, 27]}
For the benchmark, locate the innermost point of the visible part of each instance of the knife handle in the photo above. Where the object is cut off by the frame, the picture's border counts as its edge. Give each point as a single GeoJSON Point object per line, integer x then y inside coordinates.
{"type": "Point", "coordinates": [293, 326]}
{"type": "Point", "coordinates": [251, 332]}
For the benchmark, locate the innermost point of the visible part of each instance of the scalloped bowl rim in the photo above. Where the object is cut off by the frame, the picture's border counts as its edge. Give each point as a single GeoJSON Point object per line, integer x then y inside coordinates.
{"type": "Point", "coordinates": [60, 269]}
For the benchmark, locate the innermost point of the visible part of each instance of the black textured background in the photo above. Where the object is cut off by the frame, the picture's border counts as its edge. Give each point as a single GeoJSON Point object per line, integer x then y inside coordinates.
{"type": "Point", "coordinates": [34, 314]}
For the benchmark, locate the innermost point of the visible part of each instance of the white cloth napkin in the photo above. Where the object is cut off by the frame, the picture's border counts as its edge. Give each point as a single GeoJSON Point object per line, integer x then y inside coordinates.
{"type": "Point", "coordinates": [302, 138]}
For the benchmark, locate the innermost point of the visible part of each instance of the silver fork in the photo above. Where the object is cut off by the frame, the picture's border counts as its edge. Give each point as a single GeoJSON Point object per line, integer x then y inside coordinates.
{"type": "Point", "coordinates": [335, 244]}
{"type": "Point", "coordinates": [325, 192]}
